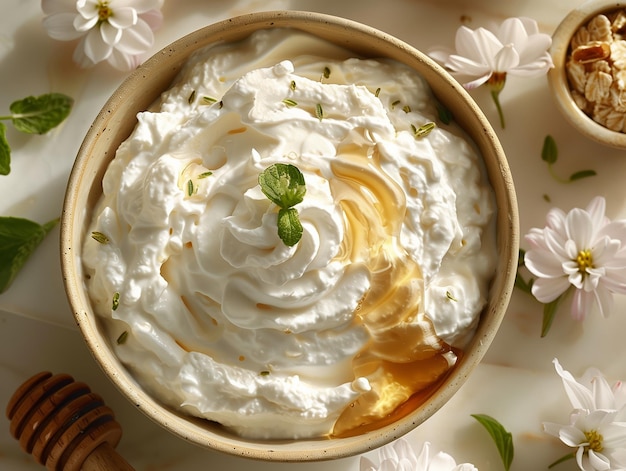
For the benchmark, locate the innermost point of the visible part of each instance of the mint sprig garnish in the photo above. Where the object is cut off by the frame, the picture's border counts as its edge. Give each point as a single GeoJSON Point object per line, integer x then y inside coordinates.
{"type": "Point", "coordinates": [18, 240]}
{"type": "Point", "coordinates": [33, 115]}
{"type": "Point", "coordinates": [284, 185]}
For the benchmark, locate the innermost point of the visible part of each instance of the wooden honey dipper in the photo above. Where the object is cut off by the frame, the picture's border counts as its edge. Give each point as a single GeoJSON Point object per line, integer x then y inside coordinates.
{"type": "Point", "coordinates": [64, 425]}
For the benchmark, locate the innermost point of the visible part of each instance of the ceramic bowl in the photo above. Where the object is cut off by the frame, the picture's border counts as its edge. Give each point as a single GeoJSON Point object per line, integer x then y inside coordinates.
{"type": "Point", "coordinates": [562, 86]}
{"type": "Point", "coordinates": [116, 121]}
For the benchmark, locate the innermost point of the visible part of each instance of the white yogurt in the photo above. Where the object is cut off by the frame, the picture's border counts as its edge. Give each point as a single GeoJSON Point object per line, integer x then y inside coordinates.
{"type": "Point", "coordinates": [225, 321]}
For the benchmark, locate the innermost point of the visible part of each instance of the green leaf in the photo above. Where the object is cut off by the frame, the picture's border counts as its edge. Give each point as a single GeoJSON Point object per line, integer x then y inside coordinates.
{"type": "Point", "coordinates": [37, 115]}
{"type": "Point", "coordinates": [549, 152]}
{"type": "Point", "coordinates": [289, 226]}
{"type": "Point", "coordinates": [18, 240]}
{"type": "Point", "coordinates": [5, 152]}
{"type": "Point", "coordinates": [549, 311]}
{"type": "Point", "coordinates": [283, 184]}
{"type": "Point", "coordinates": [502, 438]}
{"type": "Point", "coordinates": [445, 115]}
{"type": "Point", "coordinates": [582, 174]}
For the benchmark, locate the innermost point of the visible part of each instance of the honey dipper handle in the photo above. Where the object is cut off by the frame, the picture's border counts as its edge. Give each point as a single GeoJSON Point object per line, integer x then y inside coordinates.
{"type": "Point", "coordinates": [105, 458]}
{"type": "Point", "coordinates": [64, 425]}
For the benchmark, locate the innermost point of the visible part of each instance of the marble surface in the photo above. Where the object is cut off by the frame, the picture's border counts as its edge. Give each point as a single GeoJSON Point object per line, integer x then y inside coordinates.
{"type": "Point", "coordinates": [515, 383]}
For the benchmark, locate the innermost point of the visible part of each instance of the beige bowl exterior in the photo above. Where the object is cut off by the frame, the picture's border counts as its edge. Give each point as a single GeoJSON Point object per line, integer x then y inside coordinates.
{"type": "Point", "coordinates": [116, 121]}
{"type": "Point", "coordinates": [557, 77]}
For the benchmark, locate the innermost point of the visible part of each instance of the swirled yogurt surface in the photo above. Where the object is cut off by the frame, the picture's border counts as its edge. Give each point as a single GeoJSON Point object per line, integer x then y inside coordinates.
{"type": "Point", "coordinates": [215, 315]}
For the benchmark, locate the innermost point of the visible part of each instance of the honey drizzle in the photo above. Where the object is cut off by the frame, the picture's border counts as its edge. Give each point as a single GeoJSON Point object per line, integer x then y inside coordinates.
{"type": "Point", "coordinates": [404, 360]}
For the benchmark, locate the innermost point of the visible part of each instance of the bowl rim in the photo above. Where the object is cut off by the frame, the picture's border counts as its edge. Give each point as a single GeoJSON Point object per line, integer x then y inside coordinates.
{"type": "Point", "coordinates": [557, 78]}
{"type": "Point", "coordinates": [194, 430]}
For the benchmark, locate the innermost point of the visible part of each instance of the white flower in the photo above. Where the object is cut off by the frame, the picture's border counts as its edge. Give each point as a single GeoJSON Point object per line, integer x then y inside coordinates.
{"type": "Point", "coordinates": [516, 47]}
{"type": "Point", "coordinates": [117, 31]}
{"type": "Point", "coordinates": [399, 456]}
{"type": "Point", "coordinates": [582, 250]}
{"type": "Point", "coordinates": [597, 427]}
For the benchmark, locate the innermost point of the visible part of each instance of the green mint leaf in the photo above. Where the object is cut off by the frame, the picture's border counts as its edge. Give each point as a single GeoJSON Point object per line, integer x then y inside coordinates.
{"type": "Point", "coordinates": [37, 115]}
{"type": "Point", "coordinates": [289, 226]}
{"type": "Point", "coordinates": [283, 184]}
{"type": "Point", "coordinates": [549, 152]}
{"type": "Point", "coordinates": [18, 240]}
{"type": "Point", "coordinates": [502, 438]}
{"type": "Point", "coordinates": [582, 174]}
{"type": "Point", "coordinates": [5, 152]}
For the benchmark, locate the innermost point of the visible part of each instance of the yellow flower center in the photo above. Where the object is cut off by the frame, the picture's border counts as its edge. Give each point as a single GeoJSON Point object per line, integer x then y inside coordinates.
{"type": "Point", "coordinates": [104, 11]}
{"type": "Point", "coordinates": [584, 260]}
{"type": "Point", "coordinates": [595, 441]}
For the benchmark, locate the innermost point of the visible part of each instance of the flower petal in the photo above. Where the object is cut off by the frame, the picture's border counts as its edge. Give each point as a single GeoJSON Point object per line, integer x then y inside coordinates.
{"type": "Point", "coordinates": [579, 228]}
{"type": "Point", "coordinates": [122, 61]}
{"type": "Point", "coordinates": [110, 35]}
{"type": "Point", "coordinates": [61, 27]}
{"type": "Point", "coordinates": [123, 18]}
{"type": "Point", "coordinates": [95, 48]}
{"type": "Point", "coordinates": [84, 24]}
{"type": "Point", "coordinates": [80, 57]}
{"type": "Point", "coordinates": [136, 40]}
{"type": "Point", "coordinates": [154, 19]}
{"type": "Point", "coordinates": [366, 465]}
{"type": "Point", "coordinates": [506, 59]}
{"type": "Point", "coordinates": [599, 461]}
{"type": "Point", "coordinates": [543, 263]}
{"type": "Point", "coordinates": [480, 45]}
{"type": "Point", "coordinates": [604, 300]}
{"type": "Point", "coordinates": [547, 290]}
{"type": "Point", "coordinates": [513, 32]}
{"type": "Point", "coordinates": [582, 303]}
{"type": "Point", "coordinates": [580, 396]}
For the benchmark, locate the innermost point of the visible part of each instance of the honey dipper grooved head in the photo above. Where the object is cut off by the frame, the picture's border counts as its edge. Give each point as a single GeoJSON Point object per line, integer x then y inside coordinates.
{"type": "Point", "coordinates": [60, 421]}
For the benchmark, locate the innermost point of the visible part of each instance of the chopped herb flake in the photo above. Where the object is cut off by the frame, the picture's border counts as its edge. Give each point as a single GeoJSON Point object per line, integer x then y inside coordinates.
{"type": "Point", "coordinates": [100, 237]}
{"type": "Point", "coordinates": [116, 301]}
{"type": "Point", "coordinates": [122, 338]}
{"type": "Point", "coordinates": [319, 111]}
{"type": "Point", "coordinates": [290, 103]}
{"type": "Point", "coordinates": [423, 130]}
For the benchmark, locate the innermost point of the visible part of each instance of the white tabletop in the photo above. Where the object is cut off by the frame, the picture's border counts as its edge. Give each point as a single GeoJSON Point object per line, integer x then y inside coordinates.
{"type": "Point", "coordinates": [515, 383]}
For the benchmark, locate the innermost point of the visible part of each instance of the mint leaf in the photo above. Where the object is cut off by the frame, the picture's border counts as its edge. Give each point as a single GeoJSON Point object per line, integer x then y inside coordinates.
{"type": "Point", "coordinates": [5, 152]}
{"type": "Point", "coordinates": [502, 438]}
{"type": "Point", "coordinates": [37, 115]}
{"type": "Point", "coordinates": [549, 152]}
{"type": "Point", "coordinates": [283, 184]}
{"type": "Point", "coordinates": [582, 174]}
{"type": "Point", "coordinates": [289, 226]}
{"type": "Point", "coordinates": [18, 240]}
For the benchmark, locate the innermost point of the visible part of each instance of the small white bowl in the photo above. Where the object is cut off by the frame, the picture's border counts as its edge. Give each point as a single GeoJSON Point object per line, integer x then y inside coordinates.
{"type": "Point", "coordinates": [116, 121]}
{"type": "Point", "coordinates": [557, 77]}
